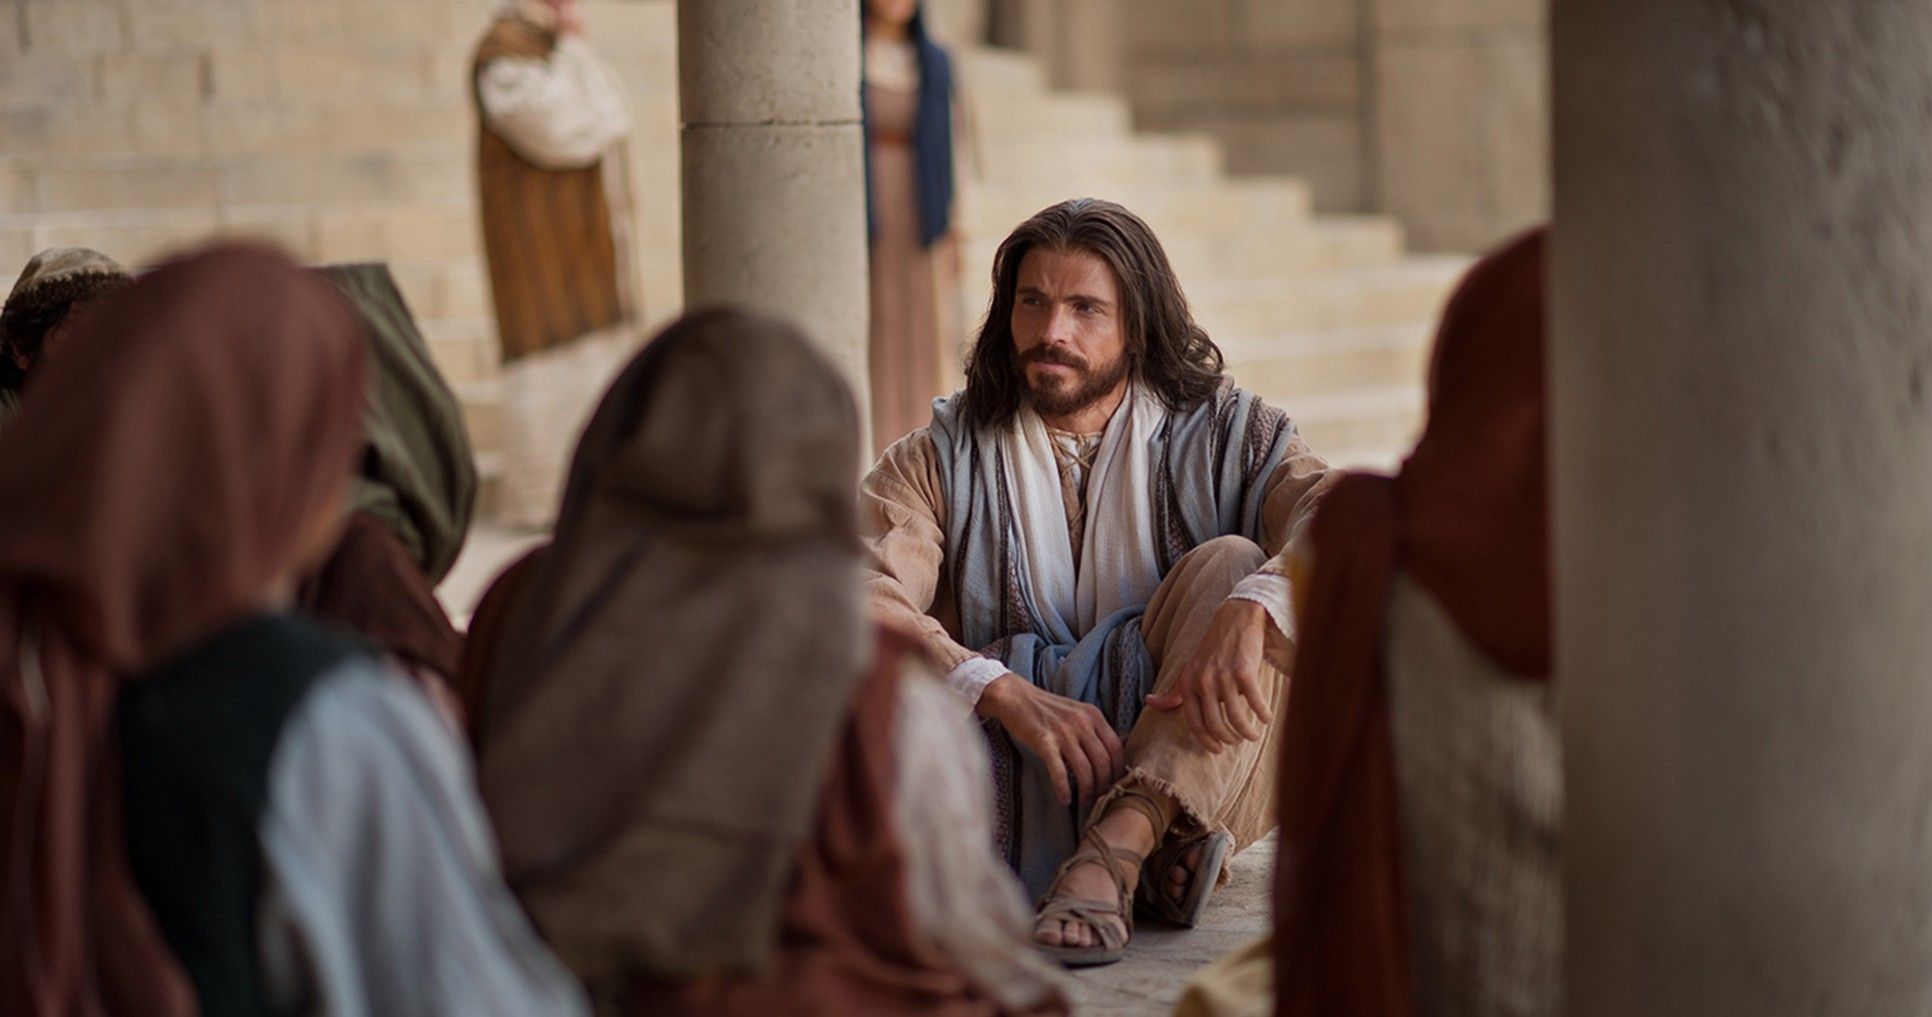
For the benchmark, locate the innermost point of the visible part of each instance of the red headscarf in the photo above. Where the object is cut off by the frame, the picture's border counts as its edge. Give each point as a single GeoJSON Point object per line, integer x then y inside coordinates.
{"type": "Point", "coordinates": [162, 474]}
{"type": "Point", "coordinates": [1467, 517]}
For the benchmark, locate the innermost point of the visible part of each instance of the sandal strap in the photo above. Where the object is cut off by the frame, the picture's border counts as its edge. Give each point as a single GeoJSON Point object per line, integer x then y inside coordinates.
{"type": "Point", "coordinates": [1118, 862]}
{"type": "Point", "coordinates": [1169, 852]}
{"type": "Point", "coordinates": [1159, 815]}
{"type": "Point", "coordinates": [1152, 892]}
{"type": "Point", "coordinates": [1106, 920]}
{"type": "Point", "coordinates": [1089, 911]}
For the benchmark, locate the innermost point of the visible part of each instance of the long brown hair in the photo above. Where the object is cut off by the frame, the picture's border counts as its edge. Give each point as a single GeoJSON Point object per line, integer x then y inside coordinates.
{"type": "Point", "coordinates": [1165, 347]}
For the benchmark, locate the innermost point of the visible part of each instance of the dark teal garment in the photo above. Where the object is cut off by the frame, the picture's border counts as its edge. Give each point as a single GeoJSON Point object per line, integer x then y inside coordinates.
{"type": "Point", "coordinates": [197, 738]}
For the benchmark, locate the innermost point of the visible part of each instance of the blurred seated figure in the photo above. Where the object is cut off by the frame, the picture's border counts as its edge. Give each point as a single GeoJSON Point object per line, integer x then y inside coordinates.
{"type": "Point", "coordinates": [551, 179]}
{"type": "Point", "coordinates": [410, 507]}
{"type": "Point", "coordinates": [54, 283]}
{"type": "Point", "coordinates": [1421, 793]}
{"type": "Point", "coordinates": [213, 806]}
{"type": "Point", "coordinates": [416, 482]}
{"type": "Point", "coordinates": [719, 789]}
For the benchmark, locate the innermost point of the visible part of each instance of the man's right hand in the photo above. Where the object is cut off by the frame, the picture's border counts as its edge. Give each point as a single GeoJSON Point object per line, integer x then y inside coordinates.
{"type": "Point", "coordinates": [1072, 738]}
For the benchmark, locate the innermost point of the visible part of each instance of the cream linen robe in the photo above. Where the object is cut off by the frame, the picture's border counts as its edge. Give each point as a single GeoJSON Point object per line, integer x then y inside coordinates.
{"type": "Point", "coordinates": [902, 521]}
{"type": "Point", "coordinates": [902, 512]}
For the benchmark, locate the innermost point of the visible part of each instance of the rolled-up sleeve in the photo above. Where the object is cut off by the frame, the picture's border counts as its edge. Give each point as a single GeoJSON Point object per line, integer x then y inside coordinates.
{"type": "Point", "coordinates": [1293, 491]}
{"type": "Point", "coordinates": [902, 521]}
{"type": "Point", "coordinates": [563, 112]}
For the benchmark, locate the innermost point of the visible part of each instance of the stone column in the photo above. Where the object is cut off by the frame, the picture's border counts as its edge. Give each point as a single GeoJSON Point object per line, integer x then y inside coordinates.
{"type": "Point", "coordinates": [1082, 43]}
{"type": "Point", "coordinates": [1742, 455]}
{"type": "Point", "coordinates": [1458, 109]}
{"type": "Point", "coordinates": [774, 178]}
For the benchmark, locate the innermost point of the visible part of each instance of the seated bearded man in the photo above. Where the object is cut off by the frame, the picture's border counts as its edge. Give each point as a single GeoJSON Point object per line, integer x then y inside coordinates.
{"type": "Point", "coordinates": [1099, 522]}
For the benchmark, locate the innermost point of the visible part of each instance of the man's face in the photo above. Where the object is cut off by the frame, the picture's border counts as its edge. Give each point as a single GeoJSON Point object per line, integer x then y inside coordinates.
{"type": "Point", "coordinates": [892, 12]}
{"type": "Point", "coordinates": [1067, 330]}
{"type": "Point", "coordinates": [570, 19]}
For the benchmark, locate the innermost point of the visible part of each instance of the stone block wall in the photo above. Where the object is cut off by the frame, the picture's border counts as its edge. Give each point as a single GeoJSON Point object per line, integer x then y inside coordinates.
{"type": "Point", "coordinates": [341, 129]}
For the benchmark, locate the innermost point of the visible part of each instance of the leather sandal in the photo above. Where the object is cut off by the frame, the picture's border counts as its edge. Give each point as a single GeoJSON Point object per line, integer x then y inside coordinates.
{"type": "Point", "coordinates": [1094, 914]}
{"type": "Point", "coordinates": [1152, 895]}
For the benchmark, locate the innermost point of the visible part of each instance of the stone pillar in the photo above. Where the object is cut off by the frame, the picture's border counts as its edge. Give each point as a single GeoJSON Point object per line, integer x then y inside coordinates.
{"type": "Point", "coordinates": [774, 177]}
{"type": "Point", "coordinates": [1082, 44]}
{"type": "Point", "coordinates": [1742, 455]}
{"type": "Point", "coordinates": [1458, 109]}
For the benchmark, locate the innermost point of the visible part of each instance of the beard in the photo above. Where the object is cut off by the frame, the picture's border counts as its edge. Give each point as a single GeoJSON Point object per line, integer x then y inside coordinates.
{"type": "Point", "coordinates": [1058, 397]}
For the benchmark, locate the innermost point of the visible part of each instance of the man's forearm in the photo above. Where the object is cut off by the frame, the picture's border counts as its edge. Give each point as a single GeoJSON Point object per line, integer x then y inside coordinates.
{"type": "Point", "coordinates": [971, 677]}
{"type": "Point", "coordinates": [1273, 593]}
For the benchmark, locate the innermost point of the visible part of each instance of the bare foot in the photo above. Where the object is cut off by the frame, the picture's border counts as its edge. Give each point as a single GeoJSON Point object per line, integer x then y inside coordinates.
{"type": "Point", "coordinates": [1180, 875]}
{"type": "Point", "coordinates": [1123, 830]}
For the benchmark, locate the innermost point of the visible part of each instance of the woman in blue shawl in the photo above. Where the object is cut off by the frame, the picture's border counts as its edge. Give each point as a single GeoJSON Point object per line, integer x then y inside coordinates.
{"type": "Point", "coordinates": [909, 169]}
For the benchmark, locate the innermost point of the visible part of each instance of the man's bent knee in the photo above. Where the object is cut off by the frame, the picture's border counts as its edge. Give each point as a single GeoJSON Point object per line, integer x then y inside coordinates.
{"type": "Point", "coordinates": [1232, 557]}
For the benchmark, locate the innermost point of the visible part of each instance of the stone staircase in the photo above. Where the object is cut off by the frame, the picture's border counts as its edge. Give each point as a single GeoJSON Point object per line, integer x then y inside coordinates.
{"type": "Point", "coordinates": [1324, 315]}
{"type": "Point", "coordinates": [340, 130]}
{"type": "Point", "coordinates": [343, 131]}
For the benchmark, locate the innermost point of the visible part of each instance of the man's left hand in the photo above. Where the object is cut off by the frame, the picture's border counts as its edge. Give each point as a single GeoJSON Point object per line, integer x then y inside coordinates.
{"type": "Point", "coordinates": [1219, 688]}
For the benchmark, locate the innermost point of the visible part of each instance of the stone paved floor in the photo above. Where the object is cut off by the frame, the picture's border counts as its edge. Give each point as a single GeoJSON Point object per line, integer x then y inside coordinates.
{"type": "Point", "coordinates": [1159, 961]}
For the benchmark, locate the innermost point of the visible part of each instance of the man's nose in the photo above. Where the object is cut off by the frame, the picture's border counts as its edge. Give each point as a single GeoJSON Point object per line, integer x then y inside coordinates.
{"type": "Point", "coordinates": [1059, 327]}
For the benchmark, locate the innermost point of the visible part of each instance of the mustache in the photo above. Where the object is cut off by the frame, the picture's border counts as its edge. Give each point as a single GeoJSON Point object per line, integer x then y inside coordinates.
{"type": "Point", "coordinates": [1053, 355]}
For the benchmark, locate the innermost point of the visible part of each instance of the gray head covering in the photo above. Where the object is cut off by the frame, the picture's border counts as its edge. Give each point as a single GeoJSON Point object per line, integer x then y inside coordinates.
{"type": "Point", "coordinates": [659, 717]}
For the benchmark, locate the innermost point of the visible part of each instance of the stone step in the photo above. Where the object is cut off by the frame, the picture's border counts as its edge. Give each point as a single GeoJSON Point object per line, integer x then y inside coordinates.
{"type": "Point", "coordinates": [1265, 253]}
{"type": "Point", "coordinates": [1412, 290]}
{"type": "Point", "coordinates": [1319, 245]}
{"type": "Point", "coordinates": [1097, 165]}
{"type": "Point", "coordinates": [1222, 208]}
{"type": "Point", "coordinates": [1068, 117]}
{"type": "Point", "coordinates": [1365, 425]}
{"type": "Point", "coordinates": [990, 76]}
{"type": "Point", "coordinates": [1314, 361]}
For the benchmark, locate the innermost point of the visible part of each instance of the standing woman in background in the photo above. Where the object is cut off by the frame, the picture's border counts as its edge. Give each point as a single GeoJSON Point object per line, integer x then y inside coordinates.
{"type": "Point", "coordinates": [909, 176]}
